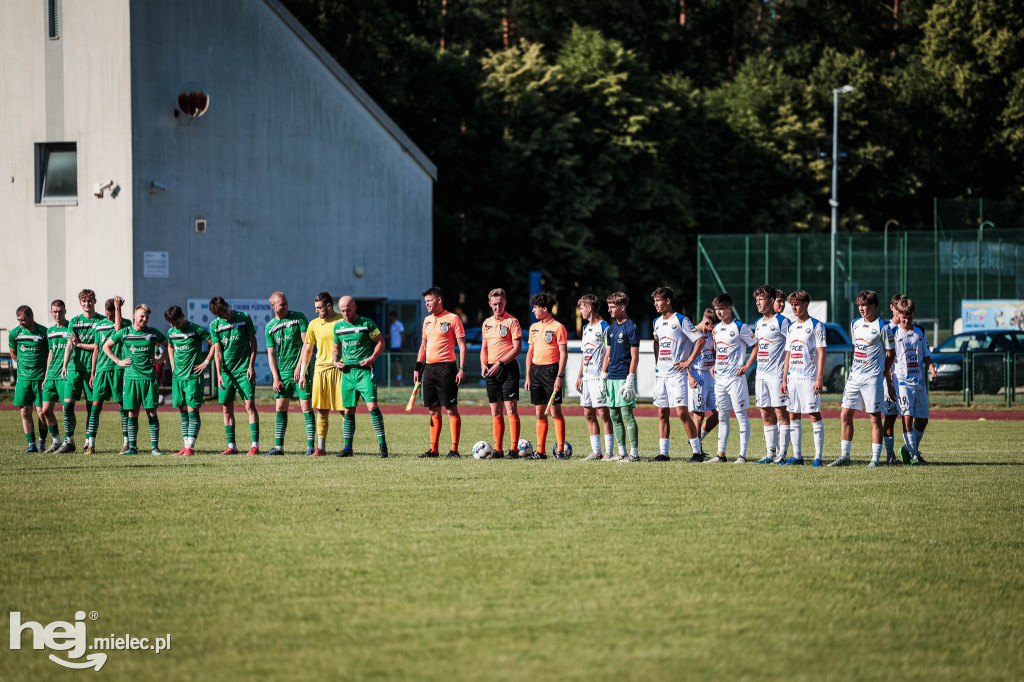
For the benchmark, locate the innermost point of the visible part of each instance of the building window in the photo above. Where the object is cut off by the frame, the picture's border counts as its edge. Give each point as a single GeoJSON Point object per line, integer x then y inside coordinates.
{"type": "Point", "coordinates": [57, 173]}
{"type": "Point", "coordinates": [53, 18]}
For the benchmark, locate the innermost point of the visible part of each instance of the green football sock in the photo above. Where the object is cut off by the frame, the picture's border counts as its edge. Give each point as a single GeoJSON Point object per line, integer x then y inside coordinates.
{"type": "Point", "coordinates": [254, 431]}
{"type": "Point", "coordinates": [124, 423]}
{"type": "Point", "coordinates": [229, 433]}
{"type": "Point", "coordinates": [92, 423]}
{"type": "Point", "coordinates": [54, 434]}
{"type": "Point", "coordinates": [184, 423]}
{"type": "Point", "coordinates": [154, 430]}
{"type": "Point", "coordinates": [280, 426]}
{"type": "Point", "coordinates": [133, 431]}
{"type": "Point", "coordinates": [377, 419]}
{"type": "Point", "coordinates": [617, 427]}
{"type": "Point", "coordinates": [70, 421]}
{"type": "Point", "coordinates": [630, 422]}
{"type": "Point", "coordinates": [30, 437]}
{"type": "Point", "coordinates": [193, 425]}
{"type": "Point", "coordinates": [310, 428]}
{"type": "Point", "coordinates": [348, 429]}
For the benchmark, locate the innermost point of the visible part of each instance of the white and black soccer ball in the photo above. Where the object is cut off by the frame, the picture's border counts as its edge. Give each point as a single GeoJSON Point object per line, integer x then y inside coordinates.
{"type": "Point", "coordinates": [567, 450]}
{"type": "Point", "coordinates": [524, 448]}
{"type": "Point", "coordinates": [482, 450]}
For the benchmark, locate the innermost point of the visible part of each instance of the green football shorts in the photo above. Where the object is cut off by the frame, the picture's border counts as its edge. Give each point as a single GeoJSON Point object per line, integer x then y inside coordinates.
{"type": "Point", "coordinates": [53, 390]}
{"type": "Point", "coordinates": [291, 388]}
{"type": "Point", "coordinates": [142, 393]}
{"type": "Point", "coordinates": [187, 392]}
{"type": "Point", "coordinates": [356, 382]}
{"type": "Point", "coordinates": [108, 385]}
{"type": "Point", "coordinates": [28, 392]}
{"type": "Point", "coordinates": [76, 386]}
{"type": "Point", "coordinates": [235, 383]}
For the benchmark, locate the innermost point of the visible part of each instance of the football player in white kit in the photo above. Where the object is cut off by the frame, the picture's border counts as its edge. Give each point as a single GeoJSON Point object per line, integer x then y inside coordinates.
{"type": "Point", "coordinates": [771, 330]}
{"type": "Point", "coordinates": [732, 339]}
{"type": "Point", "coordinates": [678, 344]}
{"type": "Point", "coordinates": [872, 359]}
{"type": "Point", "coordinates": [912, 357]}
{"type": "Point", "coordinates": [804, 376]}
{"type": "Point", "coordinates": [701, 398]}
{"type": "Point", "coordinates": [593, 400]}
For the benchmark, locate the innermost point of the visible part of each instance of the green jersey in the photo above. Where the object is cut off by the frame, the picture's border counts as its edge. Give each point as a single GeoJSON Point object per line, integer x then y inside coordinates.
{"type": "Point", "coordinates": [101, 332]}
{"type": "Point", "coordinates": [187, 343]}
{"type": "Point", "coordinates": [357, 339]}
{"type": "Point", "coordinates": [57, 338]}
{"type": "Point", "coordinates": [139, 346]}
{"type": "Point", "coordinates": [32, 349]}
{"type": "Point", "coordinates": [285, 337]}
{"type": "Point", "coordinates": [233, 335]}
{"type": "Point", "coordinates": [83, 328]}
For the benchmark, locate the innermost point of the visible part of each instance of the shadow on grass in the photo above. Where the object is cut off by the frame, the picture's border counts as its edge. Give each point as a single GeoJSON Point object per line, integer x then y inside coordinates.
{"type": "Point", "coordinates": [83, 466]}
{"type": "Point", "coordinates": [975, 464]}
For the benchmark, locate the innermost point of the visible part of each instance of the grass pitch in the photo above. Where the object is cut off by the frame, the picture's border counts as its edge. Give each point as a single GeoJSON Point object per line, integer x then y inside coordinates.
{"type": "Point", "coordinates": [287, 567]}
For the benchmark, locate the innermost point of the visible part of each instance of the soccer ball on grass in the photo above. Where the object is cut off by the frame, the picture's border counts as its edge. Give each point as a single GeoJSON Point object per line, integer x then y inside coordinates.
{"type": "Point", "coordinates": [483, 450]}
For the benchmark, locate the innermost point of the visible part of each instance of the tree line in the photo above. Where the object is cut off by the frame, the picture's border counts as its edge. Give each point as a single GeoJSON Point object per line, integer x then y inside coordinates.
{"type": "Point", "coordinates": [593, 140]}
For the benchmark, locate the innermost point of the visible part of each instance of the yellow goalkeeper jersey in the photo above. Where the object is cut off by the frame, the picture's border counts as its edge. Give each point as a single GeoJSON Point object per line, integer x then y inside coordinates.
{"type": "Point", "coordinates": [321, 333]}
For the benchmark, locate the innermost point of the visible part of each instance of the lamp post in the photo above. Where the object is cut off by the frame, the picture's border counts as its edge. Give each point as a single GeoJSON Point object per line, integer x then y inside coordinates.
{"type": "Point", "coordinates": [981, 232]}
{"type": "Point", "coordinates": [834, 201]}
{"type": "Point", "coordinates": [885, 251]}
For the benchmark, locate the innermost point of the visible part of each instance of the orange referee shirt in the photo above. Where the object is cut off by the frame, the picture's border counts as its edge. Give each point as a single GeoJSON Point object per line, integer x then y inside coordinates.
{"type": "Point", "coordinates": [500, 335]}
{"type": "Point", "coordinates": [545, 337]}
{"type": "Point", "coordinates": [440, 331]}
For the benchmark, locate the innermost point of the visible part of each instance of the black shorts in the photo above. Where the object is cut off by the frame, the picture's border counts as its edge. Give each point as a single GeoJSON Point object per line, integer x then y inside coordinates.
{"type": "Point", "coordinates": [439, 387]}
{"type": "Point", "coordinates": [504, 385]}
{"type": "Point", "coordinates": [542, 384]}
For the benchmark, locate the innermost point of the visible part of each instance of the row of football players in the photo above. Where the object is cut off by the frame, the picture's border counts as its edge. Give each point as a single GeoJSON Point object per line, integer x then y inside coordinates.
{"type": "Point", "coordinates": [699, 376]}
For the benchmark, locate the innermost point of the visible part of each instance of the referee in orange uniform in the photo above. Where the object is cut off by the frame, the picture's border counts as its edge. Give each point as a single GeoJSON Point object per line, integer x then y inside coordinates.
{"type": "Point", "coordinates": [545, 372]}
{"type": "Point", "coordinates": [436, 368]}
{"type": "Point", "coordinates": [502, 339]}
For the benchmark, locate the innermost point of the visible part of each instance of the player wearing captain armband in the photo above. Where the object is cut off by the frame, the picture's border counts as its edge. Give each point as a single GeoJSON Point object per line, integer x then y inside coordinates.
{"type": "Point", "coordinates": [872, 358]}
{"type": "Point", "coordinates": [594, 346]}
{"type": "Point", "coordinates": [732, 339]}
{"type": "Point", "coordinates": [357, 345]}
{"type": "Point", "coordinates": [771, 330]}
{"type": "Point", "coordinates": [912, 356]}
{"type": "Point", "coordinates": [501, 341]}
{"type": "Point", "coordinates": [804, 377]}
{"type": "Point", "coordinates": [619, 373]}
{"type": "Point", "coordinates": [678, 345]}
{"type": "Point", "coordinates": [702, 383]}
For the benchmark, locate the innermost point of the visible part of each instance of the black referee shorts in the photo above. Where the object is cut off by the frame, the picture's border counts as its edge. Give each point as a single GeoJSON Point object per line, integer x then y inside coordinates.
{"type": "Point", "coordinates": [439, 387]}
{"type": "Point", "coordinates": [504, 386]}
{"type": "Point", "coordinates": [542, 384]}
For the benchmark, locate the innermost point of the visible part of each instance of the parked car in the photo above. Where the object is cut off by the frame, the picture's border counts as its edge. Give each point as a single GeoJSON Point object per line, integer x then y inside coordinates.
{"type": "Point", "coordinates": [838, 345]}
{"type": "Point", "coordinates": [989, 370]}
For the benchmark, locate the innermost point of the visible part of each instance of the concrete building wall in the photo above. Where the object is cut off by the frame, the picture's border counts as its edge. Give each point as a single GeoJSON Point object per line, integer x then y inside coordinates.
{"type": "Point", "coordinates": [298, 180]}
{"type": "Point", "coordinates": [72, 89]}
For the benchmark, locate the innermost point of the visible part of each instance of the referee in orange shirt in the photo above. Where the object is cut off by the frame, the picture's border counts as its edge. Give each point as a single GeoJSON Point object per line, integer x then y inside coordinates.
{"type": "Point", "coordinates": [502, 339]}
{"type": "Point", "coordinates": [545, 372]}
{"type": "Point", "coordinates": [436, 368]}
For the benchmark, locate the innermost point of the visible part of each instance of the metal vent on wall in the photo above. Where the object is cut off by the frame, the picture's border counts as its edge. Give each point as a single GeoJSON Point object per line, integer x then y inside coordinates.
{"type": "Point", "coordinates": [53, 18]}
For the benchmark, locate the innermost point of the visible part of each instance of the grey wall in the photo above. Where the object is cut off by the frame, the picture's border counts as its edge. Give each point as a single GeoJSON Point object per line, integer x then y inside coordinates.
{"type": "Point", "coordinates": [297, 179]}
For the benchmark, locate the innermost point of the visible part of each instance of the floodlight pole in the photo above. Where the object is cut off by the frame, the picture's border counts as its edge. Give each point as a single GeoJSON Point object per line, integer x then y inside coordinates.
{"type": "Point", "coordinates": [834, 201]}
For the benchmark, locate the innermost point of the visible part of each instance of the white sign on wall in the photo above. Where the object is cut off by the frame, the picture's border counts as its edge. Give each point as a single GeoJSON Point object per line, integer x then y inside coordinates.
{"type": "Point", "coordinates": [156, 264]}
